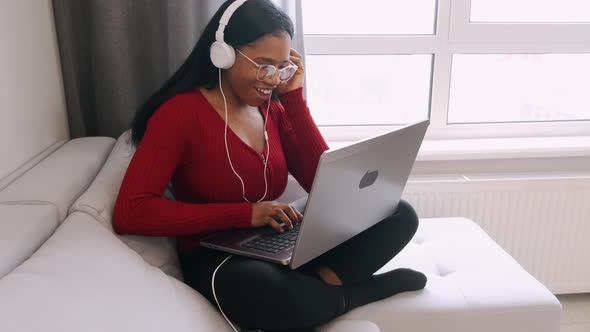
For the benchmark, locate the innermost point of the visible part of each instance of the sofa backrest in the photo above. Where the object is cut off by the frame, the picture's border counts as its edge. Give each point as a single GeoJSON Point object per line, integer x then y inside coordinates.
{"type": "Point", "coordinates": [62, 176]}
{"type": "Point", "coordinates": [99, 201]}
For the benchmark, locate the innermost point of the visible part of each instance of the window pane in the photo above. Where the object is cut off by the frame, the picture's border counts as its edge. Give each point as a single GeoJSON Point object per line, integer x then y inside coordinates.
{"type": "Point", "coordinates": [374, 17]}
{"type": "Point", "coordinates": [530, 11]}
{"type": "Point", "coordinates": [519, 87]}
{"type": "Point", "coordinates": [368, 89]}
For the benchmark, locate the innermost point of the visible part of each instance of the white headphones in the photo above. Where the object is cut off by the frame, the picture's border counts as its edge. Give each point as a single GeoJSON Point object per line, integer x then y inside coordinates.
{"type": "Point", "coordinates": [223, 56]}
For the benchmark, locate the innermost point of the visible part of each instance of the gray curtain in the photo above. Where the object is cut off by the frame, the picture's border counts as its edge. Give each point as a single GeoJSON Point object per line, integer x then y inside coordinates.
{"type": "Point", "coordinates": [116, 53]}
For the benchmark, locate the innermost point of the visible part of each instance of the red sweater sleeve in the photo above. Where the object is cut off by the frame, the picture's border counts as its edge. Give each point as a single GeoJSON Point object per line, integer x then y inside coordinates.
{"type": "Point", "coordinates": [141, 209]}
{"type": "Point", "coordinates": [302, 141]}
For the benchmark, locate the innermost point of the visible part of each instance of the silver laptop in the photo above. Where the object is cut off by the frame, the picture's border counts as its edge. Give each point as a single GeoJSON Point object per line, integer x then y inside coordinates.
{"type": "Point", "coordinates": [354, 188]}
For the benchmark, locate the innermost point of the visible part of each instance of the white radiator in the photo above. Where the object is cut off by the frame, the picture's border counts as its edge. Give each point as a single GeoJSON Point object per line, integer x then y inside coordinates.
{"type": "Point", "coordinates": [542, 220]}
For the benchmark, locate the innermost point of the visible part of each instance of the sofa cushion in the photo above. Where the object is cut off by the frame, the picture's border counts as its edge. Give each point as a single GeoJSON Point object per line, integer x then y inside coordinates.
{"type": "Point", "coordinates": [85, 279]}
{"type": "Point", "coordinates": [99, 200]}
{"type": "Point", "coordinates": [23, 229]}
{"type": "Point", "coordinates": [61, 177]}
{"type": "Point", "coordinates": [473, 285]}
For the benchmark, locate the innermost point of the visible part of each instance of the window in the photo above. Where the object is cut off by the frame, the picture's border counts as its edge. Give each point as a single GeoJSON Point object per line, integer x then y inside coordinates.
{"type": "Point", "coordinates": [478, 68]}
{"type": "Point", "coordinates": [519, 88]}
{"type": "Point", "coordinates": [389, 18]}
{"type": "Point", "coordinates": [531, 11]}
{"type": "Point", "coordinates": [381, 84]}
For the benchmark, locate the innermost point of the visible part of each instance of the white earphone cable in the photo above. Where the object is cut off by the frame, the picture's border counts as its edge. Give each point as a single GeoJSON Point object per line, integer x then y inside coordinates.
{"type": "Point", "coordinates": [215, 295]}
{"type": "Point", "coordinates": [227, 148]}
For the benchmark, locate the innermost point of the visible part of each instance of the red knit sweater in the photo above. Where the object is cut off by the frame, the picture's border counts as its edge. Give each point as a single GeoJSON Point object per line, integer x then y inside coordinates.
{"type": "Point", "coordinates": [184, 144]}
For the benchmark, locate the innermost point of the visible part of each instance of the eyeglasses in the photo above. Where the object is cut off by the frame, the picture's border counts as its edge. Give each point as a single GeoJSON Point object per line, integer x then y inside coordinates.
{"type": "Point", "coordinates": [267, 71]}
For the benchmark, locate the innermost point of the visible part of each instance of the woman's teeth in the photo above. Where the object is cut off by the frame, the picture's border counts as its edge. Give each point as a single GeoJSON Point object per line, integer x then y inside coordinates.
{"type": "Point", "coordinates": [264, 91]}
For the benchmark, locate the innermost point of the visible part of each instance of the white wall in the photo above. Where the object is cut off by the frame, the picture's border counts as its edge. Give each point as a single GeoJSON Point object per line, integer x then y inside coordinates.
{"type": "Point", "coordinates": [32, 105]}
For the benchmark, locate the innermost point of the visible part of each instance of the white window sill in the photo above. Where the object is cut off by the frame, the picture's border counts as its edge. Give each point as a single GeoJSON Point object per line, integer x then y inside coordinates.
{"type": "Point", "coordinates": [499, 148]}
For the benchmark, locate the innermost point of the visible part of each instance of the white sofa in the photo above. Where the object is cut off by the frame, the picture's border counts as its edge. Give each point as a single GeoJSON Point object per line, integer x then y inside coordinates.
{"type": "Point", "coordinates": [63, 269]}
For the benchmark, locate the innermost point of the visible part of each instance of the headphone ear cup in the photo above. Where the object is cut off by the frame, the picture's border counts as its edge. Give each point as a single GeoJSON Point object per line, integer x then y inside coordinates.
{"type": "Point", "coordinates": [222, 55]}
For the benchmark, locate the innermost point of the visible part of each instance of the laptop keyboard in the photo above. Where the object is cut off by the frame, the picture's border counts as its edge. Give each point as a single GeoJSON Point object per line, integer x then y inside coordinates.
{"type": "Point", "coordinates": [274, 242]}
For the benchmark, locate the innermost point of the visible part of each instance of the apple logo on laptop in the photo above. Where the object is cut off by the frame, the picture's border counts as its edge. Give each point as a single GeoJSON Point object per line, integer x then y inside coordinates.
{"type": "Point", "coordinates": [368, 179]}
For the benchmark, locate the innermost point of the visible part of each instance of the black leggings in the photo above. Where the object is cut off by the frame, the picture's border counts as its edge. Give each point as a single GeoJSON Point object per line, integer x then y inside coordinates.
{"type": "Point", "coordinates": [262, 295]}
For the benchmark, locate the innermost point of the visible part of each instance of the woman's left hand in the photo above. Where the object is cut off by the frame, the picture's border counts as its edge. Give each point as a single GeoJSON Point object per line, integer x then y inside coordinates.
{"type": "Point", "coordinates": [297, 80]}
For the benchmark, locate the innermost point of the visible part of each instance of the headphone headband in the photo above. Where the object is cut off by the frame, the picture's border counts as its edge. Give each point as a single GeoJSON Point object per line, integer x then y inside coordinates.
{"type": "Point", "coordinates": [222, 54]}
{"type": "Point", "coordinates": [225, 19]}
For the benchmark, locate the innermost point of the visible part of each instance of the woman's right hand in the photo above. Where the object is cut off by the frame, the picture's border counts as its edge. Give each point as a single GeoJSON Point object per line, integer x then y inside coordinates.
{"type": "Point", "coordinates": [263, 213]}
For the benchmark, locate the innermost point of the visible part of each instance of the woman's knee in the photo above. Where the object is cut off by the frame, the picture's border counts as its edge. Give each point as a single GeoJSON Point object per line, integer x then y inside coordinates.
{"type": "Point", "coordinates": [406, 215]}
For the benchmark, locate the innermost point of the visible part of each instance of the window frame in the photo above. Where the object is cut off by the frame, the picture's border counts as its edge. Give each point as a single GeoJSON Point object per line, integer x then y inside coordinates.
{"type": "Point", "coordinates": [455, 34]}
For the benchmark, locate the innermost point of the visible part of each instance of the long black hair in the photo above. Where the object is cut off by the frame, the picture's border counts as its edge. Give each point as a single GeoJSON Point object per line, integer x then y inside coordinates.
{"type": "Point", "coordinates": [251, 21]}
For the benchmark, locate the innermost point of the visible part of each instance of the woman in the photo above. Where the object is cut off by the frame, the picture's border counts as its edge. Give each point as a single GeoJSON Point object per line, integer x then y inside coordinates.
{"type": "Point", "coordinates": [226, 139]}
